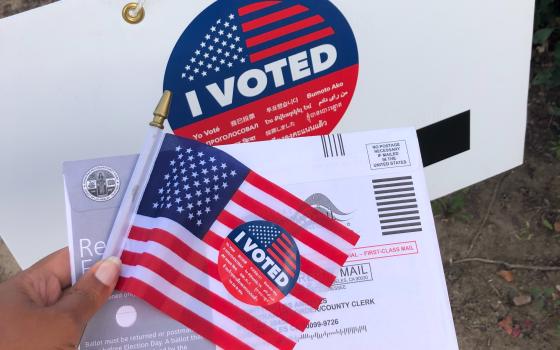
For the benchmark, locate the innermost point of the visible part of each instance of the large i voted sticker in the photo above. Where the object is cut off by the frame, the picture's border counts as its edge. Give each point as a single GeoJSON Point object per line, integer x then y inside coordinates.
{"type": "Point", "coordinates": [255, 70]}
{"type": "Point", "coordinates": [259, 263]}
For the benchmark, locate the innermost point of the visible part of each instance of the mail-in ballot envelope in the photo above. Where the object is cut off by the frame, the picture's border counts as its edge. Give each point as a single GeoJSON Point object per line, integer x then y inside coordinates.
{"type": "Point", "coordinates": [391, 294]}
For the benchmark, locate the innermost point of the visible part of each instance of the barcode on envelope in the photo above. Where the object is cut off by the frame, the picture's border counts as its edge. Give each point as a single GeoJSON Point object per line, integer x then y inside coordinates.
{"type": "Point", "coordinates": [333, 146]}
{"type": "Point", "coordinates": [397, 207]}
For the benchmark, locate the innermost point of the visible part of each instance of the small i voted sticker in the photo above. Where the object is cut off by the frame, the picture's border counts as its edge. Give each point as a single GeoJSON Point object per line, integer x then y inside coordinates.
{"type": "Point", "coordinates": [259, 263]}
{"type": "Point", "coordinates": [254, 70]}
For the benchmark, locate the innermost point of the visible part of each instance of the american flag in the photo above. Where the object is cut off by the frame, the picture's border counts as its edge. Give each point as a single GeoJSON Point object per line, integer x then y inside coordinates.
{"type": "Point", "coordinates": [253, 33]}
{"type": "Point", "coordinates": [195, 198]}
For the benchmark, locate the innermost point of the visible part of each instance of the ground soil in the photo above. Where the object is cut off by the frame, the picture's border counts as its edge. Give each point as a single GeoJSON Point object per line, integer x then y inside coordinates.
{"type": "Point", "coordinates": [504, 218]}
{"type": "Point", "coordinates": [520, 206]}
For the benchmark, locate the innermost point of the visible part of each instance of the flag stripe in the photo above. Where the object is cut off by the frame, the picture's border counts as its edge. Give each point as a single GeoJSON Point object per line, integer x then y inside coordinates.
{"type": "Point", "coordinates": [187, 301]}
{"type": "Point", "coordinates": [290, 316]}
{"type": "Point", "coordinates": [229, 220]}
{"type": "Point", "coordinates": [177, 246]}
{"type": "Point", "coordinates": [305, 294]}
{"type": "Point", "coordinates": [304, 250]}
{"type": "Point", "coordinates": [213, 240]}
{"type": "Point", "coordinates": [282, 243]}
{"type": "Point", "coordinates": [209, 267]}
{"type": "Point", "coordinates": [211, 299]}
{"type": "Point", "coordinates": [280, 262]}
{"type": "Point", "coordinates": [179, 231]}
{"type": "Point", "coordinates": [285, 30]}
{"type": "Point", "coordinates": [221, 229]}
{"type": "Point", "coordinates": [181, 314]}
{"type": "Point", "coordinates": [284, 255]}
{"type": "Point", "coordinates": [247, 9]}
{"type": "Point", "coordinates": [316, 272]}
{"type": "Point", "coordinates": [273, 17]}
{"type": "Point", "coordinates": [298, 232]}
{"type": "Point", "coordinates": [296, 204]}
{"type": "Point", "coordinates": [291, 44]}
{"type": "Point", "coordinates": [286, 240]}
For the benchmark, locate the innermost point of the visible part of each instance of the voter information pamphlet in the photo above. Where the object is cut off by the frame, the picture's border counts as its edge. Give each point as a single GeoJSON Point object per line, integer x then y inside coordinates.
{"type": "Point", "coordinates": [391, 294]}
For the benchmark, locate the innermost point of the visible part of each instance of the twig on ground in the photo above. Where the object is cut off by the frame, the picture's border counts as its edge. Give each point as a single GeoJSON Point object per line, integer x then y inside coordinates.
{"type": "Point", "coordinates": [508, 265]}
{"type": "Point", "coordinates": [478, 230]}
{"type": "Point", "coordinates": [494, 289]}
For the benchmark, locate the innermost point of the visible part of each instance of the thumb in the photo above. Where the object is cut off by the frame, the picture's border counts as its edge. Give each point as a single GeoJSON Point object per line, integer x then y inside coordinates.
{"type": "Point", "coordinates": [91, 291]}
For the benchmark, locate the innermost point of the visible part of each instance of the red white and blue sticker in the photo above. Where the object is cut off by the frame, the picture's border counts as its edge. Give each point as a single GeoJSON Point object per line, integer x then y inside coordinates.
{"type": "Point", "coordinates": [248, 70]}
{"type": "Point", "coordinates": [259, 263]}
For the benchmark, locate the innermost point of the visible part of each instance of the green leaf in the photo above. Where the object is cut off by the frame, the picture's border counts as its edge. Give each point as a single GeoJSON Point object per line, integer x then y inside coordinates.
{"type": "Point", "coordinates": [545, 12]}
{"type": "Point", "coordinates": [557, 54]}
{"type": "Point", "coordinates": [547, 224]}
{"type": "Point", "coordinates": [555, 77]}
{"type": "Point", "coordinates": [536, 292]}
{"type": "Point", "coordinates": [437, 207]}
{"type": "Point", "coordinates": [542, 35]}
{"type": "Point", "coordinates": [543, 78]}
{"type": "Point", "coordinates": [554, 110]}
{"type": "Point", "coordinates": [457, 202]}
{"type": "Point", "coordinates": [465, 217]}
{"type": "Point", "coordinates": [556, 150]}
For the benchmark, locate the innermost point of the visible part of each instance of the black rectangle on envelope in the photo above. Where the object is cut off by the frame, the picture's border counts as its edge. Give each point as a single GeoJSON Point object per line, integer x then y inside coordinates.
{"type": "Point", "coordinates": [445, 138]}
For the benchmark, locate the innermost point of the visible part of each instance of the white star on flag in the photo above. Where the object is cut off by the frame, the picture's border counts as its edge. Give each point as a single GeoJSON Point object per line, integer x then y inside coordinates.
{"type": "Point", "coordinates": [224, 37]}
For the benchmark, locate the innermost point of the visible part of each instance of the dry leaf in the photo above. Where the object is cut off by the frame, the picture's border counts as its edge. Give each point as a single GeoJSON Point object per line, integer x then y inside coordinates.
{"type": "Point", "coordinates": [557, 226]}
{"type": "Point", "coordinates": [516, 332]}
{"type": "Point", "coordinates": [527, 325]}
{"type": "Point", "coordinates": [522, 299]}
{"type": "Point", "coordinates": [506, 275]}
{"type": "Point", "coordinates": [506, 324]}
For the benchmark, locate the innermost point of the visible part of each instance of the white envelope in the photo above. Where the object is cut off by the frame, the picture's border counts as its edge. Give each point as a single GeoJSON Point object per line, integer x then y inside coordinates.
{"type": "Point", "coordinates": [390, 294]}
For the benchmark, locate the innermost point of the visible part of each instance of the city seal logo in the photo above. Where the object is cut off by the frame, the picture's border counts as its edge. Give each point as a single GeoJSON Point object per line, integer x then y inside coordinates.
{"type": "Point", "coordinates": [259, 263]}
{"type": "Point", "coordinates": [101, 183]}
{"type": "Point", "coordinates": [249, 70]}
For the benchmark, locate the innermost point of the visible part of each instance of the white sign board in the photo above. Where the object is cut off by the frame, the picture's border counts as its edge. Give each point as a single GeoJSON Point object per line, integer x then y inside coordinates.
{"type": "Point", "coordinates": [81, 84]}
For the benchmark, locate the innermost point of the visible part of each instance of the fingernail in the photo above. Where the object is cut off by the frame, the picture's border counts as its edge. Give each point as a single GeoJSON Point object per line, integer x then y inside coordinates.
{"type": "Point", "coordinates": [109, 270]}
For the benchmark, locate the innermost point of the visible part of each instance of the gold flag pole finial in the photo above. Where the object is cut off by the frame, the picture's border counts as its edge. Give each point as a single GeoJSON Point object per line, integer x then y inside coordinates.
{"type": "Point", "coordinates": [162, 110]}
